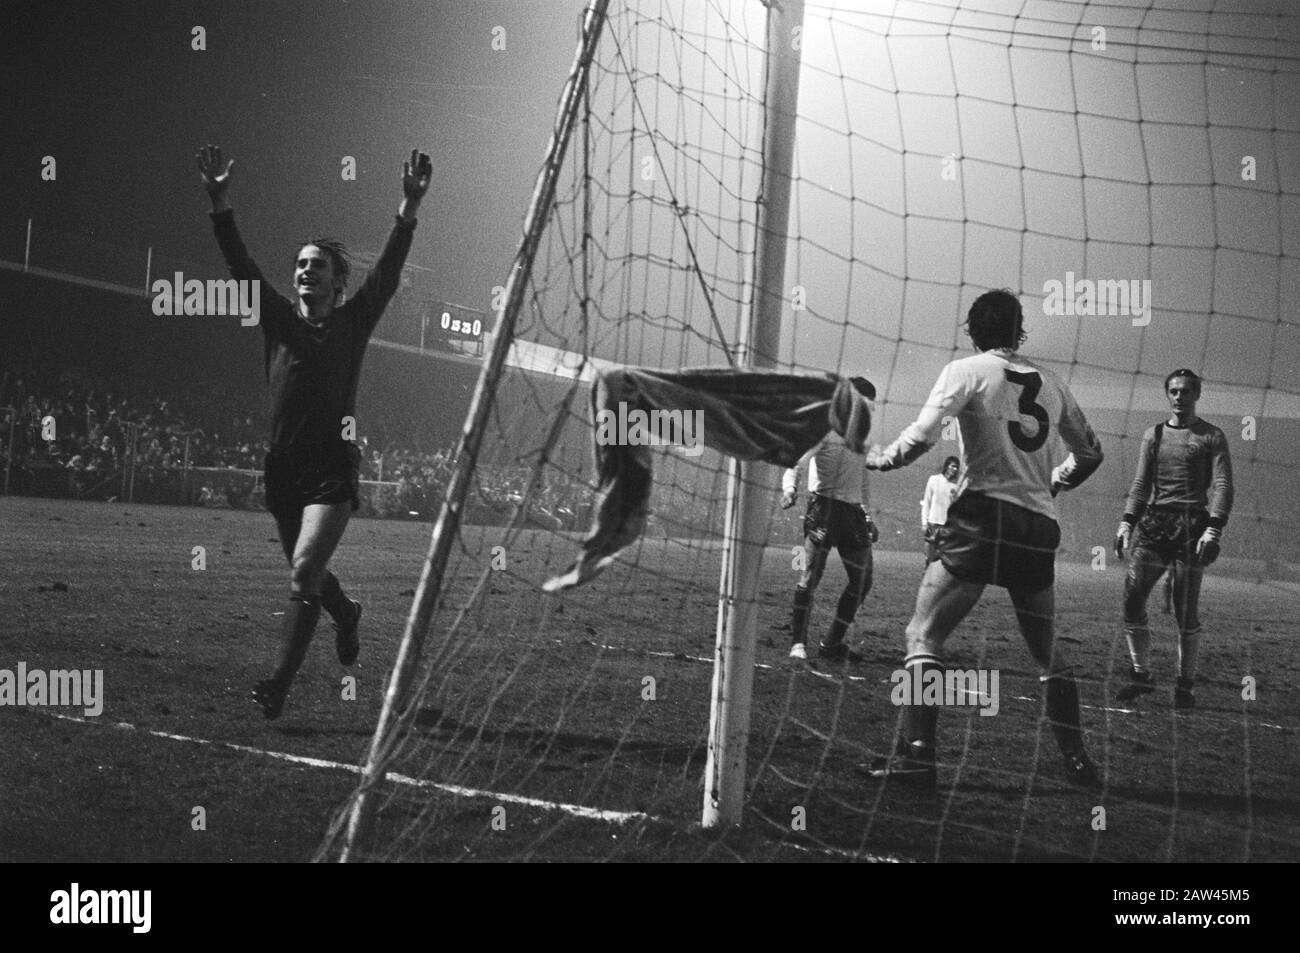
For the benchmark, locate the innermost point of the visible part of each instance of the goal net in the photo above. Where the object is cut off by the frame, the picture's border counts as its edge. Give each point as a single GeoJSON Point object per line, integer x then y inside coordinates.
{"type": "Point", "coordinates": [1131, 170]}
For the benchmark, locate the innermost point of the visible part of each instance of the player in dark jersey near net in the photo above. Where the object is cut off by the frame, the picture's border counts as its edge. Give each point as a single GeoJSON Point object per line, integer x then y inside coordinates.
{"type": "Point", "coordinates": [1174, 518]}
{"type": "Point", "coordinates": [314, 346]}
{"type": "Point", "coordinates": [1001, 529]}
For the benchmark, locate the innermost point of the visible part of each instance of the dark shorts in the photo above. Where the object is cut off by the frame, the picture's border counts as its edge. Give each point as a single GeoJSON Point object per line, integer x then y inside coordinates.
{"type": "Point", "coordinates": [993, 542]}
{"type": "Point", "coordinates": [931, 534]}
{"type": "Point", "coordinates": [301, 475]}
{"type": "Point", "coordinates": [1169, 533]}
{"type": "Point", "coordinates": [835, 524]}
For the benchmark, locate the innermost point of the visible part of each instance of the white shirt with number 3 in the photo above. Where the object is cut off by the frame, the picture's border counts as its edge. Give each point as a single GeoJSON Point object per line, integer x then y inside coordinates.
{"type": "Point", "coordinates": [1007, 409]}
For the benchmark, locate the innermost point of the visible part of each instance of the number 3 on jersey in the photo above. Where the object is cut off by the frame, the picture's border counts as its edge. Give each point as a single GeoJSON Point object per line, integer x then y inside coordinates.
{"type": "Point", "coordinates": [1029, 407]}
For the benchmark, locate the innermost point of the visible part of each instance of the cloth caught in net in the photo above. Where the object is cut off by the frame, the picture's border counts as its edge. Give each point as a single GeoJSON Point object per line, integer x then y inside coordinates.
{"type": "Point", "coordinates": [750, 415]}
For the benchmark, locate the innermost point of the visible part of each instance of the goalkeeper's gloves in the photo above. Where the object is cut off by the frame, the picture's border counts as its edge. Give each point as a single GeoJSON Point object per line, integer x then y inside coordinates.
{"type": "Point", "coordinates": [1123, 539]}
{"type": "Point", "coordinates": [1207, 547]}
{"type": "Point", "coordinates": [787, 500]}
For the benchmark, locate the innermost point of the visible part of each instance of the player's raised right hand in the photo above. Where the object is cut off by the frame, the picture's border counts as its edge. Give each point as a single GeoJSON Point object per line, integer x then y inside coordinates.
{"type": "Point", "coordinates": [215, 173]}
{"type": "Point", "coordinates": [787, 500]}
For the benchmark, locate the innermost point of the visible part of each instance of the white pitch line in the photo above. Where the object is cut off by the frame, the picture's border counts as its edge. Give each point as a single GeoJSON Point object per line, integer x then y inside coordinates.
{"type": "Point", "coordinates": [682, 656]}
{"type": "Point", "coordinates": [847, 854]}
{"type": "Point", "coordinates": [577, 810]}
{"type": "Point", "coordinates": [833, 677]}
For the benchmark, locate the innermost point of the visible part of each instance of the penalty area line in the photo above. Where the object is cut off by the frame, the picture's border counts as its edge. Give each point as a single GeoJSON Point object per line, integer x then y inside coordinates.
{"type": "Point", "coordinates": [575, 810]}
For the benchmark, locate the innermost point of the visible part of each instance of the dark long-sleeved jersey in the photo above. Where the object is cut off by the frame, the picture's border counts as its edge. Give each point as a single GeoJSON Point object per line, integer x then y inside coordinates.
{"type": "Point", "coordinates": [313, 367]}
{"type": "Point", "coordinates": [1194, 470]}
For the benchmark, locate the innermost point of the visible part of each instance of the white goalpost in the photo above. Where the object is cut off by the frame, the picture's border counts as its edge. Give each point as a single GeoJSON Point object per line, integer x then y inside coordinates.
{"type": "Point", "coordinates": [430, 589]}
{"type": "Point", "coordinates": [749, 498]}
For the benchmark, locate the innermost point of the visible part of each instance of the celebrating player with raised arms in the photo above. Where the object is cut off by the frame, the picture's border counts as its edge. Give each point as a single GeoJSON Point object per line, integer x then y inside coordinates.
{"type": "Point", "coordinates": [1175, 515]}
{"type": "Point", "coordinates": [313, 351]}
{"type": "Point", "coordinates": [1001, 529]}
{"type": "Point", "coordinates": [838, 517]}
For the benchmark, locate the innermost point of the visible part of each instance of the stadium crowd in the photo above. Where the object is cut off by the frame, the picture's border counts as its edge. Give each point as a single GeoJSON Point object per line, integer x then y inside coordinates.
{"type": "Point", "coordinates": [67, 433]}
{"type": "Point", "coordinates": [91, 428]}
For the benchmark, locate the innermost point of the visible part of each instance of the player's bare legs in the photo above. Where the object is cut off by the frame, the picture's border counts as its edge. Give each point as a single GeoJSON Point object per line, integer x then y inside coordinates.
{"type": "Point", "coordinates": [942, 602]}
{"type": "Point", "coordinates": [1036, 614]}
{"type": "Point", "coordinates": [1187, 597]}
{"type": "Point", "coordinates": [1144, 570]}
{"type": "Point", "coordinates": [321, 529]}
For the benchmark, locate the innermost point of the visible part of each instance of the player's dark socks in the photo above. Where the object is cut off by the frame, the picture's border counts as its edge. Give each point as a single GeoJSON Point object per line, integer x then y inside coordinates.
{"type": "Point", "coordinates": [1063, 711]}
{"type": "Point", "coordinates": [296, 632]}
{"type": "Point", "coordinates": [334, 599]}
{"type": "Point", "coordinates": [347, 644]}
{"type": "Point", "coordinates": [1139, 644]}
{"type": "Point", "coordinates": [1189, 648]}
{"type": "Point", "coordinates": [845, 610]}
{"type": "Point", "coordinates": [920, 721]}
{"type": "Point", "coordinates": [1184, 696]}
{"type": "Point", "coordinates": [799, 618]}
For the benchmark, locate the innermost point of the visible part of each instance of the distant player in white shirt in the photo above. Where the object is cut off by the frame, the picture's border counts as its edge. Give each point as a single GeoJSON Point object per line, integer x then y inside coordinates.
{"type": "Point", "coordinates": [940, 491]}
{"type": "Point", "coordinates": [1002, 529]}
{"type": "Point", "coordinates": [838, 517]}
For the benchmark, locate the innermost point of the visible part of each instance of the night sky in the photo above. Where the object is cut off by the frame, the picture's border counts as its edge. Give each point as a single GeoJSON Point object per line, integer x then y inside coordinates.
{"type": "Point", "coordinates": [116, 94]}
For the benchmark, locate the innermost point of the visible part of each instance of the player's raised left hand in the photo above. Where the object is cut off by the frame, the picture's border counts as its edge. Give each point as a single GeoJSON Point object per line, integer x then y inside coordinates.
{"type": "Point", "coordinates": [417, 172]}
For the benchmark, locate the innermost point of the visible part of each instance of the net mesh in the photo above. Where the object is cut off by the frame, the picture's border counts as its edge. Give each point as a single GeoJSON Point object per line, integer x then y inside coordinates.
{"type": "Point", "coordinates": [943, 148]}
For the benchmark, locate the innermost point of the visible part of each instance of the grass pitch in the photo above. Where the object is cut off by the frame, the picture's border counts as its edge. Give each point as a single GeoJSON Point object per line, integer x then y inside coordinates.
{"type": "Point", "coordinates": [536, 702]}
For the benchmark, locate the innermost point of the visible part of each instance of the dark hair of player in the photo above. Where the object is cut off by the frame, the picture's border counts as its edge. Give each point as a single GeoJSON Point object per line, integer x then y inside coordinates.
{"type": "Point", "coordinates": [1193, 379]}
{"type": "Point", "coordinates": [996, 320]}
{"type": "Point", "coordinates": [864, 387]}
{"type": "Point", "coordinates": [947, 461]}
{"type": "Point", "coordinates": [337, 253]}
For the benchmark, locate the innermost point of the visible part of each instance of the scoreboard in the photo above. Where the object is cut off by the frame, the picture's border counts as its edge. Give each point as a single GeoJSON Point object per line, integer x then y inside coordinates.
{"type": "Point", "coordinates": [460, 323]}
{"type": "Point", "coordinates": [457, 327]}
